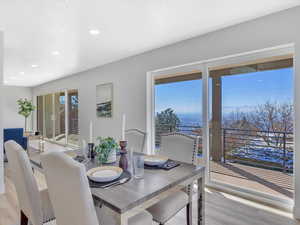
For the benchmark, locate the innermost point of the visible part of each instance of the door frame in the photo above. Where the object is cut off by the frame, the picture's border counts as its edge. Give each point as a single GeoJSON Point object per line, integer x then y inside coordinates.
{"type": "Point", "coordinates": [204, 66]}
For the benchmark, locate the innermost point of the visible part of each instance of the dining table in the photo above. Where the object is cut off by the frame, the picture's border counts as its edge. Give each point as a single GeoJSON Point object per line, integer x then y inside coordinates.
{"type": "Point", "coordinates": [136, 195]}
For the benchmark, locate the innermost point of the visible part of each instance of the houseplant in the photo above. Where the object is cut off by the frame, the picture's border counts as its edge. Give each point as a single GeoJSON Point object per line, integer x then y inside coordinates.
{"type": "Point", "coordinates": [106, 150]}
{"type": "Point", "coordinates": [25, 109]}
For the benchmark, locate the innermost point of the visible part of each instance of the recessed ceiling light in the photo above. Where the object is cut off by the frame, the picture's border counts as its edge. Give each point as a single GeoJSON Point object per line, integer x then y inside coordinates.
{"type": "Point", "coordinates": [22, 73]}
{"type": "Point", "coordinates": [94, 32]}
{"type": "Point", "coordinates": [34, 66]}
{"type": "Point", "coordinates": [55, 53]}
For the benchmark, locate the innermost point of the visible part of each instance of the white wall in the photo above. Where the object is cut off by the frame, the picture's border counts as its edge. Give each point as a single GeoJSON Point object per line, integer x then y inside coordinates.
{"type": "Point", "coordinates": [129, 75]}
{"type": "Point", "coordinates": [1, 116]}
{"type": "Point", "coordinates": [11, 118]}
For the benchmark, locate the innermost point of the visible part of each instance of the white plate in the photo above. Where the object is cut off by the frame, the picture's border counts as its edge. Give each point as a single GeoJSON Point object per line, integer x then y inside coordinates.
{"type": "Point", "coordinates": [104, 173]}
{"type": "Point", "coordinates": [155, 160]}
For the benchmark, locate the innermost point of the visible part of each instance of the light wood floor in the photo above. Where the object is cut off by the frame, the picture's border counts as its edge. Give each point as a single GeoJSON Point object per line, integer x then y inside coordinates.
{"type": "Point", "coordinates": [221, 209]}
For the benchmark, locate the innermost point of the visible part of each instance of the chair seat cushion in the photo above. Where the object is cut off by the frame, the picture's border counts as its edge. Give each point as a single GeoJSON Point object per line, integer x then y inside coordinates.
{"type": "Point", "coordinates": [48, 213]}
{"type": "Point", "coordinates": [168, 207]}
{"type": "Point", "coordinates": [107, 217]}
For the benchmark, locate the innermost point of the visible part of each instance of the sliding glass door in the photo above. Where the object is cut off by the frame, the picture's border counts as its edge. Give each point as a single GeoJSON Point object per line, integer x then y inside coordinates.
{"type": "Point", "coordinates": [40, 114]}
{"type": "Point", "coordinates": [57, 117]}
{"type": "Point", "coordinates": [251, 125]}
{"type": "Point", "coordinates": [49, 117]}
{"type": "Point", "coordinates": [60, 124]}
{"type": "Point", "coordinates": [247, 119]}
{"type": "Point", "coordinates": [73, 129]}
{"type": "Point", "coordinates": [178, 106]}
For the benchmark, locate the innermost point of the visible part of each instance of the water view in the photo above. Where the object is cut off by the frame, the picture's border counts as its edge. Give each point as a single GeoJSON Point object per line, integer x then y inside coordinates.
{"type": "Point", "coordinates": [256, 123]}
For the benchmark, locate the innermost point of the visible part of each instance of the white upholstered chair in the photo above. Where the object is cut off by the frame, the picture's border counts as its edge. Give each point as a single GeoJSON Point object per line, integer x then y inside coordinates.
{"type": "Point", "coordinates": [136, 139]}
{"type": "Point", "coordinates": [34, 205]}
{"type": "Point", "coordinates": [180, 147]}
{"type": "Point", "coordinates": [71, 195]}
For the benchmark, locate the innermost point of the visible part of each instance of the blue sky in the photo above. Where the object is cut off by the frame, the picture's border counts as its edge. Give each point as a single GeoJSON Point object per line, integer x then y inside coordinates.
{"type": "Point", "coordinates": [242, 92]}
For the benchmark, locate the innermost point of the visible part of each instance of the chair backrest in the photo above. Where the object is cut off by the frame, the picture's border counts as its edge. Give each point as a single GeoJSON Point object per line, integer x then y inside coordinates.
{"type": "Point", "coordinates": [12, 133]}
{"type": "Point", "coordinates": [136, 139]}
{"type": "Point", "coordinates": [69, 190]}
{"type": "Point", "coordinates": [15, 134]}
{"type": "Point", "coordinates": [178, 146]}
{"type": "Point", "coordinates": [25, 183]}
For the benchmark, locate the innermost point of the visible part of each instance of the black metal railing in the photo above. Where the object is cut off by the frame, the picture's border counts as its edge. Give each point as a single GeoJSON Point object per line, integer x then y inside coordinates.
{"type": "Point", "coordinates": [266, 149]}
{"type": "Point", "coordinates": [167, 128]}
{"type": "Point", "coordinates": [271, 149]}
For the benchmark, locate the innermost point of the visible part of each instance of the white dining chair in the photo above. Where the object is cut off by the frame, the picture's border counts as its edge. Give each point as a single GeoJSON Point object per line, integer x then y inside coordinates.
{"type": "Point", "coordinates": [179, 147]}
{"type": "Point", "coordinates": [136, 139]}
{"type": "Point", "coordinates": [35, 206]}
{"type": "Point", "coordinates": [71, 196]}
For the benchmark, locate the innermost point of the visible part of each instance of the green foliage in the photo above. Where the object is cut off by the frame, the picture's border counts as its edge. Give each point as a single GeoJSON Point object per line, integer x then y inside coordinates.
{"type": "Point", "coordinates": [167, 120]}
{"type": "Point", "coordinates": [25, 107]}
{"type": "Point", "coordinates": [105, 146]}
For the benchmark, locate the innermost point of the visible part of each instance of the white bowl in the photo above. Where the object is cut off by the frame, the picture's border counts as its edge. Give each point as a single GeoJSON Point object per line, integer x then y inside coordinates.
{"type": "Point", "coordinates": [104, 173]}
{"type": "Point", "coordinates": [155, 160]}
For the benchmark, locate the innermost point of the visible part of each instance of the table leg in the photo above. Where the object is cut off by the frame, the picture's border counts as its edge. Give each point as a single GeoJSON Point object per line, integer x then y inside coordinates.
{"type": "Point", "coordinates": [122, 220]}
{"type": "Point", "coordinates": [201, 202]}
{"type": "Point", "coordinates": [23, 219]}
{"type": "Point", "coordinates": [190, 205]}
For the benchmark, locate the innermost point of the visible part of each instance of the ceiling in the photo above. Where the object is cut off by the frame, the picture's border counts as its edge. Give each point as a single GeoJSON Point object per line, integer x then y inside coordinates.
{"type": "Point", "coordinates": [50, 39]}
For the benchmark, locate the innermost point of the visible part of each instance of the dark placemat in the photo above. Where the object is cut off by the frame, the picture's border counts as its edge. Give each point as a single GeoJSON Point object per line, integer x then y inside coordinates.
{"type": "Point", "coordinates": [170, 164]}
{"type": "Point", "coordinates": [125, 174]}
{"type": "Point", "coordinates": [79, 158]}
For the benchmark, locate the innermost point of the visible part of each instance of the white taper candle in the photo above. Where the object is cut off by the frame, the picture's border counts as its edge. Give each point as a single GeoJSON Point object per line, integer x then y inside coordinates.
{"type": "Point", "coordinates": [91, 132]}
{"type": "Point", "coordinates": [123, 126]}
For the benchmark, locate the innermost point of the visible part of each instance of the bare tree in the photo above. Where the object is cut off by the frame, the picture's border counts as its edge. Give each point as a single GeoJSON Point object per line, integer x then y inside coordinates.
{"type": "Point", "coordinates": [238, 130]}
{"type": "Point", "coordinates": [271, 120]}
{"type": "Point", "coordinates": [237, 120]}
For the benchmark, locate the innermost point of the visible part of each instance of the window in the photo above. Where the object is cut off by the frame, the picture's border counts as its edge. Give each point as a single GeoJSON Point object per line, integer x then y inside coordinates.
{"type": "Point", "coordinates": [246, 120]}
{"type": "Point", "coordinates": [73, 129]}
{"type": "Point", "coordinates": [57, 117]}
{"type": "Point", "coordinates": [60, 124]}
{"type": "Point", "coordinates": [251, 126]}
{"type": "Point", "coordinates": [48, 122]}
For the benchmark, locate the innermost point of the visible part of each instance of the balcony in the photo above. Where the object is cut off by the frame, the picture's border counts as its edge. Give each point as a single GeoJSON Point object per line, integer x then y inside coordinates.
{"type": "Point", "coordinates": [250, 159]}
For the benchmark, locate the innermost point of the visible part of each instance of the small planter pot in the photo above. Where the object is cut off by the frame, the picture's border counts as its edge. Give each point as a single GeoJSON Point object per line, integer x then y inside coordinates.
{"type": "Point", "coordinates": [106, 150]}
{"type": "Point", "coordinates": [112, 156]}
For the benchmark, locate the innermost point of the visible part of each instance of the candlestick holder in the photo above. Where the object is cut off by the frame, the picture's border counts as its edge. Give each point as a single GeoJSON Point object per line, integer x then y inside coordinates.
{"type": "Point", "coordinates": [91, 150]}
{"type": "Point", "coordinates": [123, 163]}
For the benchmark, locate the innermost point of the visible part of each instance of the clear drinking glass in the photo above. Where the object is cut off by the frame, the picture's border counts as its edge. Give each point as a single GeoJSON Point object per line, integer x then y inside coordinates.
{"type": "Point", "coordinates": [130, 160]}
{"type": "Point", "coordinates": [138, 166]}
{"type": "Point", "coordinates": [84, 152]}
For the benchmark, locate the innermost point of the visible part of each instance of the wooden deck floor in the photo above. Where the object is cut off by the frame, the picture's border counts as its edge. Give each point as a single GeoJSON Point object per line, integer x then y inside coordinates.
{"type": "Point", "coordinates": [263, 180]}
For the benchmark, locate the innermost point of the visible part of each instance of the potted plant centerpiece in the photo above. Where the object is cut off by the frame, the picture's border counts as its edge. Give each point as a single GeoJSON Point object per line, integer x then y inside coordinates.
{"type": "Point", "coordinates": [25, 109]}
{"type": "Point", "coordinates": [106, 150]}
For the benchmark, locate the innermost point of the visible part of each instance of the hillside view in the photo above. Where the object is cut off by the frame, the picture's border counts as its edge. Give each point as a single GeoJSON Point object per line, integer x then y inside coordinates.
{"type": "Point", "coordinates": [257, 115]}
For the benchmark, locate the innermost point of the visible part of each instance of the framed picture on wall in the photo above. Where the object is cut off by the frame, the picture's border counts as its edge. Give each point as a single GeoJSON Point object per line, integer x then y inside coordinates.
{"type": "Point", "coordinates": [104, 100]}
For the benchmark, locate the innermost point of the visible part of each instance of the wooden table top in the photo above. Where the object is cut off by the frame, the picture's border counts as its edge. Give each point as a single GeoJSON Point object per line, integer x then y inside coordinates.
{"type": "Point", "coordinates": [135, 192]}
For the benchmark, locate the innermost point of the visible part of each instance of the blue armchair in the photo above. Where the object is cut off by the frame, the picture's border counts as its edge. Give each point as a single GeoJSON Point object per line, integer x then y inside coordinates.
{"type": "Point", "coordinates": [15, 134]}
